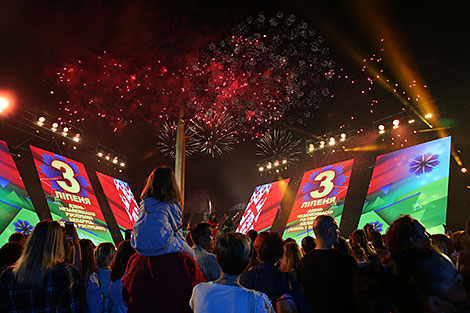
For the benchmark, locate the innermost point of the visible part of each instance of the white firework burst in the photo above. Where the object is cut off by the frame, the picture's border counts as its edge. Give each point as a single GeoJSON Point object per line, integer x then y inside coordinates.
{"type": "Point", "coordinates": [279, 143]}
{"type": "Point", "coordinates": [167, 139]}
{"type": "Point", "coordinates": [215, 133]}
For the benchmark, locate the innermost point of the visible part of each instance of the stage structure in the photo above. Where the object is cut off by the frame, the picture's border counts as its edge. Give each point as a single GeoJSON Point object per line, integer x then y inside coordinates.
{"type": "Point", "coordinates": [263, 207]}
{"type": "Point", "coordinates": [70, 195]}
{"type": "Point", "coordinates": [411, 181]}
{"type": "Point", "coordinates": [121, 200]}
{"type": "Point", "coordinates": [322, 191]}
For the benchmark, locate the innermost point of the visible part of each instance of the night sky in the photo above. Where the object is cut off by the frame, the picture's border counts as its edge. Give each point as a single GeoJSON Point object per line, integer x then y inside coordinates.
{"type": "Point", "coordinates": [41, 35]}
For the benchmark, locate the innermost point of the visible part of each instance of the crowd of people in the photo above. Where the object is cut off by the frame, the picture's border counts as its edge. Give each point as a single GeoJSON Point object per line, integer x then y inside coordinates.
{"type": "Point", "coordinates": [159, 270]}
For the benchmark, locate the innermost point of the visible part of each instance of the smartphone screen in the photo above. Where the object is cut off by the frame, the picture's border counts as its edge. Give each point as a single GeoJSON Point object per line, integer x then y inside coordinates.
{"type": "Point", "coordinates": [69, 230]}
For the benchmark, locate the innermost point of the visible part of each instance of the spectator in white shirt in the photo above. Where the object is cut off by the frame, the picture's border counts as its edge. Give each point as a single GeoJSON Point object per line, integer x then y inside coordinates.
{"type": "Point", "coordinates": [226, 294]}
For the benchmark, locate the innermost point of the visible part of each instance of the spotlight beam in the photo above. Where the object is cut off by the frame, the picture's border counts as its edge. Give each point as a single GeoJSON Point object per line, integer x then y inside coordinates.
{"type": "Point", "coordinates": [365, 148]}
{"type": "Point", "coordinates": [433, 129]}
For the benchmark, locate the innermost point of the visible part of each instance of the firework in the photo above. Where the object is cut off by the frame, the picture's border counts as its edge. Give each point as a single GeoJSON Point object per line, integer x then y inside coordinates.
{"type": "Point", "coordinates": [117, 92]}
{"type": "Point", "coordinates": [268, 69]}
{"type": "Point", "coordinates": [167, 139]}
{"type": "Point", "coordinates": [215, 133]}
{"type": "Point", "coordinates": [279, 143]}
{"type": "Point", "coordinates": [358, 88]}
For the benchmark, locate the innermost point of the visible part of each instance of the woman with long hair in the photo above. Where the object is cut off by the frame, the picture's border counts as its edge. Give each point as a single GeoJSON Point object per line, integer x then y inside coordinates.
{"type": "Point", "coordinates": [40, 282]}
{"type": "Point", "coordinates": [89, 278]}
{"type": "Point", "coordinates": [159, 227]}
{"type": "Point", "coordinates": [378, 243]}
{"type": "Point", "coordinates": [358, 239]}
{"type": "Point", "coordinates": [118, 268]}
{"type": "Point", "coordinates": [291, 257]}
{"type": "Point", "coordinates": [161, 275]}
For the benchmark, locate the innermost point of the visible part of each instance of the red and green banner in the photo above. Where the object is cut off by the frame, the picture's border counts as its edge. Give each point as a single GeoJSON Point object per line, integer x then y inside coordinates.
{"type": "Point", "coordinates": [322, 191]}
{"type": "Point", "coordinates": [263, 206]}
{"type": "Point", "coordinates": [120, 199]}
{"type": "Point", "coordinates": [412, 181]}
{"type": "Point", "coordinates": [17, 213]}
{"type": "Point", "coordinates": [70, 195]}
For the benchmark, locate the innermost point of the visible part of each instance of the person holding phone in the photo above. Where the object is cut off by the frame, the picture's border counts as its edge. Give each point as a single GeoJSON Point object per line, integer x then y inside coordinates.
{"type": "Point", "coordinates": [72, 247]}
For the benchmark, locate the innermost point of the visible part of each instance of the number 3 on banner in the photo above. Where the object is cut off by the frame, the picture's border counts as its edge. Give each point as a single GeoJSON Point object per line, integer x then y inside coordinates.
{"type": "Point", "coordinates": [73, 186]}
{"type": "Point", "coordinates": [326, 183]}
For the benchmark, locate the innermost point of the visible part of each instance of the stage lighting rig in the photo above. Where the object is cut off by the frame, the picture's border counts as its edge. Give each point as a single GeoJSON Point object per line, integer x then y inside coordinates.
{"type": "Point", "coordinates": [271, 166]}
{"type": "Point", "coordinates": [76, 138]}
{"type": "Point", "coordinates": [396, 123]}
{"type": "Point", "coordinates": [406, 119]}
{"type": "Point", "coordinates": [41, 121]}
{"type": "Point", "coordinates": [50, 124]}
{"type": "Point", "coordinates": [109, 158]}
{"type": "Point", "coordinates": [330, 141]}
{"type": "Point", "coordinates": [43, 129]}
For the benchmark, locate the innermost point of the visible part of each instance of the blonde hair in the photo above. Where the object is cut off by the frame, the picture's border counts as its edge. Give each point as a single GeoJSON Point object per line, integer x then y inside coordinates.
{"type": "Point", "coordinates": [291, 257]}
{"type": "Point", "coordinates": [44, 248]}
{"type": "Point", "coordinates": [104, 254]}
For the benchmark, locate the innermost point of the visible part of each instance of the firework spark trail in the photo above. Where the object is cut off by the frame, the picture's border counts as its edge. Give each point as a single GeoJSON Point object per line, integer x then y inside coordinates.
{"type": "Point", "coordinates": [361, 85]}
{"type": "Point", "coordinates": [128, 77]}
{"type": "Point", "coordinates": [118, 92]}
{"type": "Point", "coordinates": [166, 141]}
{"type": "Point", "coordinates": [268, 69]}
{"type": "Point", "coordinates": [279, 143]}
{"type": "Point", "coordinates": [215, 133]}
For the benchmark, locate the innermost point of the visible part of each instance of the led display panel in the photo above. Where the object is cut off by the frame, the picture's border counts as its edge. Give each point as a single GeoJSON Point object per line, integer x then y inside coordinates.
{"type": "Point", "coordinates": [17, 213]}
{"type": "Point", "coordinates": [70, 195]}
{"type": "Point", "coordinates": [322, 191]}
{"type": "Point", "coordinates": [410, 181]}
{"type": "Point", "coordinates": [263, 206]}
{"type": "Point", "coordinates": [120, 199]}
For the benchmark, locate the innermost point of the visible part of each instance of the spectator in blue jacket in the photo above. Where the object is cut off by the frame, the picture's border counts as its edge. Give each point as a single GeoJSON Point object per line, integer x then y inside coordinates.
{"type": "Point", "coordinates": [159, 227]}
